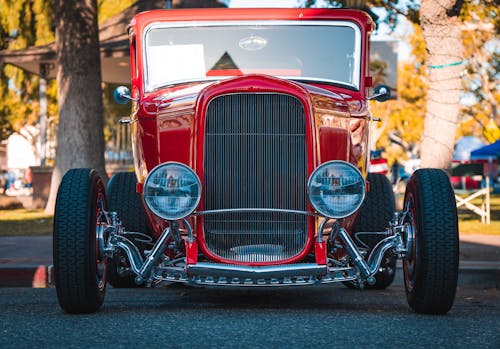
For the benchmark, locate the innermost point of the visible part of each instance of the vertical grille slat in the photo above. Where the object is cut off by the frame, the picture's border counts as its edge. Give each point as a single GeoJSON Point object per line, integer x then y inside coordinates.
{"type": "Point", "coordinates": [255, 158]}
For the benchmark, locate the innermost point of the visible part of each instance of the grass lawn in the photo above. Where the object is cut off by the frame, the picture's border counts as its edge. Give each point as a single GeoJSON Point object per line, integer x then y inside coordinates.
{"type": "Point", "coordinates": [469, 222]}
{"type": "Point", "coordinates": [20, 222]}
{"type": "Point", "coordinates": [35, 222]}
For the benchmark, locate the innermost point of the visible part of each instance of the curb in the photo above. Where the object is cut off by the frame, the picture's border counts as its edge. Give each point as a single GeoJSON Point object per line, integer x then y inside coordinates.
{"type": "Point", "coordinates": [36, 276]}
{"type": "Point", "coordinates": [471, 274]}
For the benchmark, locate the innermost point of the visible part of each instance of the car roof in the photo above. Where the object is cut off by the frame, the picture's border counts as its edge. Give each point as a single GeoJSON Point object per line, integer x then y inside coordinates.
{"type": "Point", "coordinates": [142, 20]}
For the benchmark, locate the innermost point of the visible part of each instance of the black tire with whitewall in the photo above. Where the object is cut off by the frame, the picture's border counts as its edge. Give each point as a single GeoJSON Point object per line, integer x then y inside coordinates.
{"type": "Point", "coordinates": [79, 264]}
{"type": "Point", "coordinates": [431, 265]}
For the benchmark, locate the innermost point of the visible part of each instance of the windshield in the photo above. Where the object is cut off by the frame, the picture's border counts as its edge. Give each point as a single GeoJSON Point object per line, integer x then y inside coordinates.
{"type": "Point", "coordinates": [316, 51]}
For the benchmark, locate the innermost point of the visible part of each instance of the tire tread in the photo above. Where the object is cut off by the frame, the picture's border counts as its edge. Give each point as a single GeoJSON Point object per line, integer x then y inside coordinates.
{"type": "Point", "coordinates": [437, 225]}
{"type": "Point", "coordinates": [72, 254]}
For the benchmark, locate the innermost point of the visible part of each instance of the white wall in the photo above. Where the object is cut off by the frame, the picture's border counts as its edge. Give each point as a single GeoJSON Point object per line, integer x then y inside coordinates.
{"type": "Point", "coordinates": [20, 153]}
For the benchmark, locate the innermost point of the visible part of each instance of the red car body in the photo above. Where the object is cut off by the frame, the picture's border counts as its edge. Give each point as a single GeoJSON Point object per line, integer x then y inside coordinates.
{"type": "Point", "coordinates": [157, 140]}
{"type": "Point", "coordinates": [250, 138]}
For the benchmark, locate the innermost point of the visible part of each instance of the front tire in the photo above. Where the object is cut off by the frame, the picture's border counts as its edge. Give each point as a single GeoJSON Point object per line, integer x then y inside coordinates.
{"type": "Point", "coordinates": [431, 265]}
{"type": "Point", "coordinates": [376, 213]}
{"type": "Point", "coordinates": [379, 205]}
{"type": "Point", "coordinates": [79, 263]}
{"type": "Point", "coordinates": [124, 200]}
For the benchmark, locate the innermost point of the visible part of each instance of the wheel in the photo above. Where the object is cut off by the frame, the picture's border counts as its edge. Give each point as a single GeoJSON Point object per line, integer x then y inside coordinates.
{"type": "Point", "coordinates": [124, 200]}
{"type": "Point", "coordinates": [431, 264]}
{"type": "Point", "coordinates": [79, 262]}
{"type": "Point", "coordinates": [379, 205]}
{"type": "Point", "coordinates": [376, 212]}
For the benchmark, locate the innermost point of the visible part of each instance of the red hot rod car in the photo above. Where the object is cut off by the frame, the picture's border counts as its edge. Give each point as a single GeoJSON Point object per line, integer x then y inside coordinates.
{"type": "Point", "coordinates": [250, 131]}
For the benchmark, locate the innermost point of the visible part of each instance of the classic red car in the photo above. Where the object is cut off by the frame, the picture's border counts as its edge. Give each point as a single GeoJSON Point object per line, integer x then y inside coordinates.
{"type": "Point", "coordinates": [250, 130]}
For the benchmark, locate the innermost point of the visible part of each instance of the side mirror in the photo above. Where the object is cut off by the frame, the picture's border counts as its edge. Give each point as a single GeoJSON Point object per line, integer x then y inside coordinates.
{"type": "Point", "coordinates": [381, 93]}
{"type": "Point", "coordinates": [122, 95]}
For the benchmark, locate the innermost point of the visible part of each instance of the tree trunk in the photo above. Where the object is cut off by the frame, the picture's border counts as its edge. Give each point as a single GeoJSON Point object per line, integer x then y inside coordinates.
{"type": "Point", "coordinates": [442, 34]}
{"type": "Point", "coordinates": [80, 139]}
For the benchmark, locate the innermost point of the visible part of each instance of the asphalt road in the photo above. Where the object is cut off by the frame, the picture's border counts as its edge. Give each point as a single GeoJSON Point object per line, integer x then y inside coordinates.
{"type": "Point", "coordinates": [181, 317]}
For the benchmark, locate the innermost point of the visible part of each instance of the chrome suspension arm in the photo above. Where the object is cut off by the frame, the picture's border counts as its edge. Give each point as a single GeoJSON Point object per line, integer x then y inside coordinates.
{"type": "Point", "coordinates": [356, 256]}
{"type": "Point", "coordinates": [141, 268]}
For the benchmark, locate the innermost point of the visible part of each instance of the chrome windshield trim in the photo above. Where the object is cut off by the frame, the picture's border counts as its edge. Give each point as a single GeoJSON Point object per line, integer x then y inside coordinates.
{"type": "Point", "coordinates": [246, 210]}
{"type": "Point", "coordinates": [162, 25]}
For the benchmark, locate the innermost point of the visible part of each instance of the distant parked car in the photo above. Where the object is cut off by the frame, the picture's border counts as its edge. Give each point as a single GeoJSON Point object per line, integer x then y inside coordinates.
{"type": "Point", "coordinates": [378, 164]}
{"type": "Point", "coordinates": [250, 133]}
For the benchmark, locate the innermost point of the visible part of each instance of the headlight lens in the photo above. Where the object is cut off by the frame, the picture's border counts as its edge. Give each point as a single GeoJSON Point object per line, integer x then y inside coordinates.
{"type": "Point", "coordinates": [336, 189]}
{"type": "Point", "coordinates": [172, 191]}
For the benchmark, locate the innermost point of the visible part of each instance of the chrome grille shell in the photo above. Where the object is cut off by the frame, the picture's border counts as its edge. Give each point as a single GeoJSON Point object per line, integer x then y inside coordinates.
{"type": "Point", "coordinates": [255, 157]}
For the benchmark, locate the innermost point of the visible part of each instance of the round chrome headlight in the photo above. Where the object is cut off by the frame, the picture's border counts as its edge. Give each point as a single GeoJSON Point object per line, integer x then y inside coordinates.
{"type": "Point", "coordinates": [172, 191]}
{"type": "Point", "coordinates": [336, 189]}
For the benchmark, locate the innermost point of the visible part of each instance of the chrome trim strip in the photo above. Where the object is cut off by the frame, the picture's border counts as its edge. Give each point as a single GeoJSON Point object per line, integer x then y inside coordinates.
{"type": "Point", "coordinates": [242, 271]}
{"type": "Point", "coordinates": [238, 126]}
{"type": "Point", "coordinates": [250, 210]}
{"type": "Point", "coordinates": [162, 25]}
{"type": "Point", "coordinates": [178, 275]}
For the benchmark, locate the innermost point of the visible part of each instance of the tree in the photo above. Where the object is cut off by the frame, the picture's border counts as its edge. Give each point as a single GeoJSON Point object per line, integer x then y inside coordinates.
{"type": "Point", "coordinates": [80, 132]}
{"type": "Point", "coordinates": [442, 33]}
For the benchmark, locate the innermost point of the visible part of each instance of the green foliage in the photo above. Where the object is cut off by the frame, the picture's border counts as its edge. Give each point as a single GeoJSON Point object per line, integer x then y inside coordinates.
{"type": "Point", "coordinates": [25, 23]}
{"type": "Point", "coordinates": [394, 8]}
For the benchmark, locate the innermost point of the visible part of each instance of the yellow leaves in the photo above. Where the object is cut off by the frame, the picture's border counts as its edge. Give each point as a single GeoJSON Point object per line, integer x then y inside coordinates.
{"type": "Point", "coordinates": [109, 8]}
{"type": "Point", "coordinates": [418, 44]}
{"type": "Point", "coordinates": [411, 83]}
{"type": "Point", "coordinates": [30, 19]}
{"type": "Point", "coordinates": [44, 16]}
{"type": "Point", "coordinates": [491, 131]}
{"type": "Point", "coordinates": [403, 118]}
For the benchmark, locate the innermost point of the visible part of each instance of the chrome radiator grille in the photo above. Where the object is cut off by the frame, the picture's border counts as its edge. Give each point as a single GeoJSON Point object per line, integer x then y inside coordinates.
{"type": "Point", "coordinates": [255, 157]}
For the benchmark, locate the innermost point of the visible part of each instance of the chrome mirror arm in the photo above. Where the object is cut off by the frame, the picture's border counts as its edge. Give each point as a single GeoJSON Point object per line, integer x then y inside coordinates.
{"type": "Point", "coordinates": [122, 95]}
{"type": "Point", "coordinates": [381, 93]}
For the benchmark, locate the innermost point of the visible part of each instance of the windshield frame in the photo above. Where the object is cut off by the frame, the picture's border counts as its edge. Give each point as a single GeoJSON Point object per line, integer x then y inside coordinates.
{"type": "Point", "coordinates": [342, 23]}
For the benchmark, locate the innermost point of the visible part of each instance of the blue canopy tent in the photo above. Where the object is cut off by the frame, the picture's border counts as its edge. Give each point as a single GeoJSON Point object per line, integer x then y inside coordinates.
{"type": "Point", "coordinates": [483, 161]}
{"type": "Point", "coordinates": [488, 151]}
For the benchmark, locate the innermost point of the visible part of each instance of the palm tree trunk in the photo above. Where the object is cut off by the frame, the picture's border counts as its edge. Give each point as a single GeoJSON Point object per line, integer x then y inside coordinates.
{"type": "Point", "coordinates": [442, 34]}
